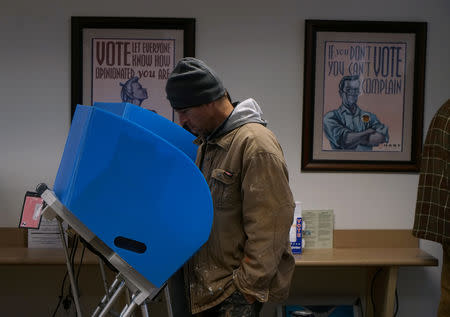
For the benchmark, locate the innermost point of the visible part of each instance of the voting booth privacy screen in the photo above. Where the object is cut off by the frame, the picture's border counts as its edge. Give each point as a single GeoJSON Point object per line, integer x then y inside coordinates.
{"type": "Point", "coordinates": [128, 175]}
{"type": "Point", "coordinates": [166, 129]}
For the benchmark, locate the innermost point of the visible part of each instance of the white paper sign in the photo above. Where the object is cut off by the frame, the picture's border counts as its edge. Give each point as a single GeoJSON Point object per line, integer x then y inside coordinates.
{"type": "Point", "coordinates": [47, 236]}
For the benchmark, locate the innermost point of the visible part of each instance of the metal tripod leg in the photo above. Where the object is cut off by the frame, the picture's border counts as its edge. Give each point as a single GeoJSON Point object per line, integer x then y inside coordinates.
{"type": "Point", "coordinates": [114, 297]}
{"type": "Point", "coordinates": [128, 309]}
{"type": "Point", "coordinates": [128, 297]}
{"type": "Point", "coordinates": [73, 284]}
{"type": "Point", "coordinates": [138, 299]}
{"type": "Point", "coordinates": [107, 297]}
{"type": "Point", "coordinates": [144, 310]}
{"type": "Point", "coordinates": [168, 300]}
{"type": "Point", "coordinates": [102, 272]}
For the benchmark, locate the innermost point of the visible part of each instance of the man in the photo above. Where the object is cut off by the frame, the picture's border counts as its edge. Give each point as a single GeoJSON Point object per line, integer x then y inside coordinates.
{"type": "Point", "coordinates": [247, 259]}
{"type": "Point", "coordinates": [349, 127]}
{"type": "Point", "coordinates": [432, 216]}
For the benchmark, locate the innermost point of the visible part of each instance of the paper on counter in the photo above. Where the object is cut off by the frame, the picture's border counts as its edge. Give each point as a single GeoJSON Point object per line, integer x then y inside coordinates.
{"type": "Point", "coordinates": [318, 228]}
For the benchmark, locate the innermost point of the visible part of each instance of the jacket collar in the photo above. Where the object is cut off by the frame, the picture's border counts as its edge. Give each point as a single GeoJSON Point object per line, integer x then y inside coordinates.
{"type": "Point", "coordinates": [223, 141]}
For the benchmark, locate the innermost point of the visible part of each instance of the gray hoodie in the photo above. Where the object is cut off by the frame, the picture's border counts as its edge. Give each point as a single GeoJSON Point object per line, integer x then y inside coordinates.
{"type": "Point", "coordinates": [245, 112]}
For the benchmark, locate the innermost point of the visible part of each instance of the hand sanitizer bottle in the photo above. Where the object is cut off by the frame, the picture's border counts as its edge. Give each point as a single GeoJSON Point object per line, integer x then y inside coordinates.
{"type": "Point", "coordinates": [295, 234]}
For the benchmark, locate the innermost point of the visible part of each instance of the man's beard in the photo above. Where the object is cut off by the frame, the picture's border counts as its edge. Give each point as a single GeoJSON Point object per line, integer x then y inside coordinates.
{"type": "Point", "coordinates": [189, 130]}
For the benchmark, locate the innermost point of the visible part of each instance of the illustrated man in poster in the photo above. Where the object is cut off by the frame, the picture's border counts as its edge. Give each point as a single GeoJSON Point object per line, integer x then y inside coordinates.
{"type": "Point", "coordinates": [133, 92]}
{"type": "Point", "coordinates": [349, 127]}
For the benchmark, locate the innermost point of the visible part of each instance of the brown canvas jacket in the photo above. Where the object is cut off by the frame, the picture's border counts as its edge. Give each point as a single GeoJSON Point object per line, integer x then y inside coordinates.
{"type": "Point", "coordinates": [248, 248]}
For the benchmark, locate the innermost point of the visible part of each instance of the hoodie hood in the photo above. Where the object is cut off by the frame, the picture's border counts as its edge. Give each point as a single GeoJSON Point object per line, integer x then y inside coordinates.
{"type": "Point", "coordinates": [247, 111]}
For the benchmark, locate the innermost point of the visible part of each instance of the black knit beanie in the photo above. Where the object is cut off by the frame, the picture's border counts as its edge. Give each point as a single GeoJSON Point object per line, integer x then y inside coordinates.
{"type": "Point", "coordinates": [193, 83]}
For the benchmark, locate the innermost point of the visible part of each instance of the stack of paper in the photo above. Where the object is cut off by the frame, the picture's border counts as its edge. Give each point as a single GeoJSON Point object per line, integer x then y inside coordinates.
{"type": "Point", "coordinates": [47, 236]}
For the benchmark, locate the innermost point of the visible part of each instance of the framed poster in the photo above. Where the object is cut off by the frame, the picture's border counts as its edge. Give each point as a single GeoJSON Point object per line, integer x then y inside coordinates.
{"type": "Point", "coordinates": [127, 59]}
{"type": "Point", "coordinates": [363, 95]}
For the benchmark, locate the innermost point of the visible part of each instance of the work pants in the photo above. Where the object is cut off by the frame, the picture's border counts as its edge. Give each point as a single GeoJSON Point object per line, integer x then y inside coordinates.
{"type": "Point", "coordinates": [234, 306]}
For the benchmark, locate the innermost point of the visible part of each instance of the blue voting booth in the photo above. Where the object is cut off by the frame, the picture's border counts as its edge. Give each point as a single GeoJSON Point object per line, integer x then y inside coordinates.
{"type": "Point", "coordinates": [128, 185]}
{"type": "Point", "coordinates": [166, 129]}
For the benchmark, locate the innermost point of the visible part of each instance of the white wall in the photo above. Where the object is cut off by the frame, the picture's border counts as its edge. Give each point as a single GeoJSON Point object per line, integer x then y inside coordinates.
{"type": "Point", "coordinates": [257, 47]}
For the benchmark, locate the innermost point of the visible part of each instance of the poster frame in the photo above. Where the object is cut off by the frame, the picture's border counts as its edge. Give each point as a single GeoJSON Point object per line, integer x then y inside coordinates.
{"type": "Point", "coordinates": [312, 127]}
{"type": "Point", "coordinates": [80, 23]}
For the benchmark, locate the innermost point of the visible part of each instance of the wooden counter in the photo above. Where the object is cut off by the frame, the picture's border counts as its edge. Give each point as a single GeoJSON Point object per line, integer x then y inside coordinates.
{"type": "Point", "coordinates": [363, 263]}
{"type": "Point", "coordinates": [365, 257]}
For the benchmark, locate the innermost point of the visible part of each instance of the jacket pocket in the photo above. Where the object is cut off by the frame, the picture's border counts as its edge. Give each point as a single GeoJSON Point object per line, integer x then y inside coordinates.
{"type": "Point", "coordinates": [225, 188]}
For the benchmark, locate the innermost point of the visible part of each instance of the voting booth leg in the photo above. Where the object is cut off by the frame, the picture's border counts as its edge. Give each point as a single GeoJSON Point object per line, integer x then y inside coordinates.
{"type": "Point", "coordinates": [113, 294]}
{"type": "Point", "coordinates": [114, 297]}
{"type": "Point", "coordinates": [73, 283]}
{"type": "Point", "coordinates": [128, 309]}
{"type": "Point", "coordinates": [138, 299]}
{"type": "Point", "coordinates": [102, 272]}
{"type": "Point", "coordinates": [144, 310]}
{"type": "Point", "coordinates": [106, 298]}
{"type": "Point", "coordinates": [168, 301]}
